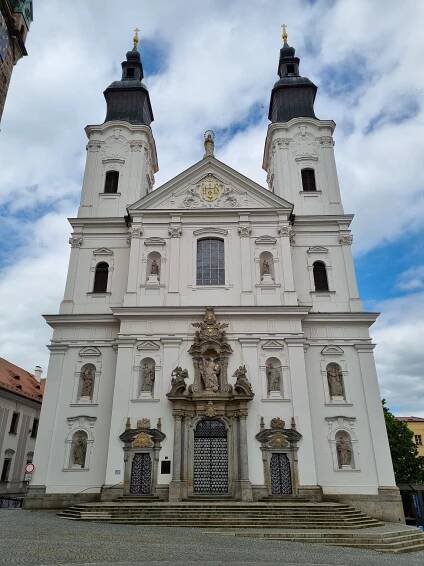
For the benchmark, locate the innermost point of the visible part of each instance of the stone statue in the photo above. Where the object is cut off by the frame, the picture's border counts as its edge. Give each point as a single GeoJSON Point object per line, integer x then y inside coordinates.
{"type": "Point", "coordinates": [209, 374]}
{"type": "Point", "coordinates": [273, 375]}
{"type": "Point", "coordinates": [79, 449]}
{"type": "Point", "coordinates": [154, 268]}
{"type": "Point", "coordinates": [242, 384]}
{"type": "Point", "coordinates": [344, 450]}
{"type": "Point", "coordinates": [148, 376]}
{"type": "Point", "coordinates": [178, 384]}
{"type": "Point", "coordinates": [335, 380]}
{"type": "Point", "coordinates": [266, 269]}
{"type": "Point", "coordinates": [88, 374]}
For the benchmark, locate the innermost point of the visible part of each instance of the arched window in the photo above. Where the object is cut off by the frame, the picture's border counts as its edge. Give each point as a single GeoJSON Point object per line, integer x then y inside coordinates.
{"type": "Point", "coordinates": [78, 449]}
{"type": "Point", "coordinates": [86, 385]}
{"type": "Point", "coordinates": [210, 262]}
{"type": "Point", "coordinates": [308, 180]}
{"type": "Point", "coordinates": [320, 276]}
{"type": "Point", "coordinates": [100, 278]}
{"type": "Point", "coordinates": [111, 182]}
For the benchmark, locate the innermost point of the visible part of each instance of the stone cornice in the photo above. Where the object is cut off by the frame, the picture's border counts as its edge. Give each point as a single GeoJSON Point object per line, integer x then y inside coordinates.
{"type": "Point", "coordinates": [54, 320]}
{"type": "Point", "coordinates": [367, 318]}
{"type": "Point", "coordinates": [129, 312]}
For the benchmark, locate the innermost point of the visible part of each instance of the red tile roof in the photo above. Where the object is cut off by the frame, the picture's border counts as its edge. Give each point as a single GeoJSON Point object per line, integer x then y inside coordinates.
{"type": "Point", "coordinates": [410, 419]}
{"type": "Point", "coordinates": [20, 381]}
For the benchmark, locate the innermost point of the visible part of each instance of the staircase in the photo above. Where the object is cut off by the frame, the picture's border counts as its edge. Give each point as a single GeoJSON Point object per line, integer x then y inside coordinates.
{"type": "Point", "coordinates": [230, 515]}
{"type": "Point", "coordinates": [408, 539]}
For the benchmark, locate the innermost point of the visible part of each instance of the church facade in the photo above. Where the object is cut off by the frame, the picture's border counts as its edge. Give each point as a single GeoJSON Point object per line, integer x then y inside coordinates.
{"type": "Point", "coordinates": [211, 341]}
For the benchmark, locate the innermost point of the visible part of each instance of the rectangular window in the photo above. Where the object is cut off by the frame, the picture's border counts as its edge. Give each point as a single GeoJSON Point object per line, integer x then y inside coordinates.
{"type": "Point", "coordinates": [14, 423]}
{"type": "Point", "coordinates": [34, 429]}
{"type": "Point", "coordinates": [308, 180]}
{"type": "Point", "coordinates": [5, 470]}
{"type": "Point", "coordinates": [418, 440]}
{"type": "Point", "coordinates": [210, 262]}
{"type": "Point", "coordinates": [165, 467]}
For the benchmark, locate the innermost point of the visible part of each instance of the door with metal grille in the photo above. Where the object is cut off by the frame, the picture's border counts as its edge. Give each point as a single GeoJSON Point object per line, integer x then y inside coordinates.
{"type": "Point", "coordinates": [281, 483]}
{"type": "Point", "coordinates": [210, 465]}
{"type": "Point", "coordinates": [141, 474]}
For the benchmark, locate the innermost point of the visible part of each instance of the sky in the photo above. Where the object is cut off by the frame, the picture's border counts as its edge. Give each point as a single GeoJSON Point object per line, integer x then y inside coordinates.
{"type": "Point", "coordinates": [212, 65]}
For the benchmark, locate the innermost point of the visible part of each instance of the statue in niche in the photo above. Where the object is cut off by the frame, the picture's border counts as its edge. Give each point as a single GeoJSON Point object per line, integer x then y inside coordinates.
{"type": "Point", "coordinates": [154, 268]}
{"type": "Point", "coordinates": [178, 384]}
{"type": "Point", "coordinates": [148, 376]}
{"type": "Point", "coordinates": [88, 373]}
{"type": "Point", "coordinates": [209, 374]}
{"type": "Point", "coordinates": [242, 384]}
{"type": "Point", "coordinates": [79, 449]}
{"type": "Point", "coordinates": [266, 275]}
{"type": "Point", "coordinates": [273, 375]}
{"type": "Point", "coordinates": [344, 450]}
{"type": "Point", "coordinates": [335, 380]}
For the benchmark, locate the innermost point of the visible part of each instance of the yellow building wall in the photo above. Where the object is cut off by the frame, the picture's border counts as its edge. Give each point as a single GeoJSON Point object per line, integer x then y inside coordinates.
{"type": "Point", "coordinates": [418, 430]}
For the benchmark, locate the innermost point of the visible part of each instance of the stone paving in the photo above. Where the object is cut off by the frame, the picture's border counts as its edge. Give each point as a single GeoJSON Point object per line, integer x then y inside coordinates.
{"type": "Point", "coordinates": [41, 538]}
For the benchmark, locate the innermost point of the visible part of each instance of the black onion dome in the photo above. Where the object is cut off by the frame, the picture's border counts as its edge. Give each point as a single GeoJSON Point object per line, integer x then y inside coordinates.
{"type": "Point", "coordinates": [128, 99]}
{"type": "Point", "coordinates": [293, 96]}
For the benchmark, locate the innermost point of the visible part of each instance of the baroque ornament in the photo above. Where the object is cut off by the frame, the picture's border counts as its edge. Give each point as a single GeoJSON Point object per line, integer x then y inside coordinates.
{"type": "Point", "coordinates": [142, 440]}
{"type": "Point", "coordinates": [210, 192]}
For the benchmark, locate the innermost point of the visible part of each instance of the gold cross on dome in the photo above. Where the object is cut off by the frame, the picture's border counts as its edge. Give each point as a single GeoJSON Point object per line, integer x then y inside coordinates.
{"type": "Point", "coordinates": [284, 34]}
{"type": "Point", "coordinates": [136, 39]}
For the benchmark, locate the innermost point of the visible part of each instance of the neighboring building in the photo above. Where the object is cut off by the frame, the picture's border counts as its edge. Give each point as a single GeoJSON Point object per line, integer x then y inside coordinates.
{"type": "Point", "coordinates": [21, 395]}
{"type": "Point", "coordinates": [416, 424]}
{"type": "Point", "coordinates": [15, 20]}
{"type": "Point", "coordinates": [211, 340]}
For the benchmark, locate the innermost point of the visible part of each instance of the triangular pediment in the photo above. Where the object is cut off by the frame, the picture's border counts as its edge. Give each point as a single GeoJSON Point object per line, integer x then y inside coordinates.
{"type": "Point", "coordinates": [90, 351]}
{"type": "Point", "coordinates": [103, 251]}
{"type": "Point", "coordinates": [332, 351]}
{"type": "Point", "coordinates": [272, 345]}
{"type": "Point", "coordinates": [210, 184]}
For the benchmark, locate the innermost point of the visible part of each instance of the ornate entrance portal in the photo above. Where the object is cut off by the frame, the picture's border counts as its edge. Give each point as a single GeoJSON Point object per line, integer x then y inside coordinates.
{"type": "Point", "coordinates": [141, 474]}
{"type": "Point", "coordinates": [210, 463]}
{"type": "Point", "coordinates": [281, 483]}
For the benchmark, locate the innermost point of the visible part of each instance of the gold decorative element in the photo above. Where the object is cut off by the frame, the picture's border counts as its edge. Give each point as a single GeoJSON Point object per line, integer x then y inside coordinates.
{"type": "Point", "coordinates": [210, 189]}
{"type": "Point", "coordinates": [210, 327]}
{"type": "Point", "coordinates": [136, 39]}
{"type": "Point", "coordinates": [143, 423]}
{"type": "Point", "coordinates": [284, 34]}
{"type": "Point", "coordinates": [142, 440]}
{"type": "Point", "coordinates": [210, 411]}
{"type": "Point", "coordinates": [278, 440]}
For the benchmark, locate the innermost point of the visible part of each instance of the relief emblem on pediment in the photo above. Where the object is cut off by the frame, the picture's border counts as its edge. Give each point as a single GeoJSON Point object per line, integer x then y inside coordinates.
{"type": "Point", "coordinates": [210, 192]}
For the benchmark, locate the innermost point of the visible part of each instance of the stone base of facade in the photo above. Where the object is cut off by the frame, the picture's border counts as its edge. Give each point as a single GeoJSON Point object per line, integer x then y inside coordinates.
{"type": "Point", "coordinates": [244, 490]}
{"type": "Point", "coordinates": [37, 498]}
{"type": "Point", "coordinates": [385, 506]}
{"type": "Point", "coordinates": [310, 492]}
{"type": "Point", "coordinates": [111, 492]}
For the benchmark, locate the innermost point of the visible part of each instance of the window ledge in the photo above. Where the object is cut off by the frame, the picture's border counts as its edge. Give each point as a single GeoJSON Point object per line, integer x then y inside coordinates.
{"type": "Point", "coordinates": [339, 404]}
{"type": "Point", "coordinates": [152, 285]}
{"type": "Point", "coordinates": [84, 404]}
{"type": "Point", "coordinates": [267, 285]}
{"type": "Point", "coordinates": [75, 469]}
{"type": "Point", "coordinates": [322, 293]}
{"type": "Point", "coordinates": [344, 470]}
{"type": "Point", "coordinates": [91, 293]}
{"type": "Point", "coordinates": [275, 400]}
{"type": "Point", "coordinates": [145, 400]}
{"type": "Point", "coordinates": [208, 287]}
{"type": "Point", "coordinates": [109, 195]}
{"type": "Point", "coordinates": [310, 193]}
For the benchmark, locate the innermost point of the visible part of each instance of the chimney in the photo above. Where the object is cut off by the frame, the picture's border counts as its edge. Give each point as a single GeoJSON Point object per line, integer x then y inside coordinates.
{"type": "Point", "coordinates": [38, 370]}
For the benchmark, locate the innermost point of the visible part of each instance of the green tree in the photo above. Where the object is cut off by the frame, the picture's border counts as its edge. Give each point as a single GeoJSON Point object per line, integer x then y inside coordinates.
{"type": "Point", "coordinates": [407, 465]}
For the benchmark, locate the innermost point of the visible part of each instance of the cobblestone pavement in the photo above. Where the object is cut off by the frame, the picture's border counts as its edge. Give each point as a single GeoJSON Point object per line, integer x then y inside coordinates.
{"type": "Point", "coordinates": [40, 538]}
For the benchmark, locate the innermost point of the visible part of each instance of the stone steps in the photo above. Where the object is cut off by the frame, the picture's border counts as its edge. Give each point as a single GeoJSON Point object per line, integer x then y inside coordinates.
{"type": "Point", "coordinates": [390, 542]}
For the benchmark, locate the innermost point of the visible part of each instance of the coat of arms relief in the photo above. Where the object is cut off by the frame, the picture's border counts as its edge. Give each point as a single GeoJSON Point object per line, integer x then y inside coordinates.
{"type": "Point", "coordinates": [210, 192]}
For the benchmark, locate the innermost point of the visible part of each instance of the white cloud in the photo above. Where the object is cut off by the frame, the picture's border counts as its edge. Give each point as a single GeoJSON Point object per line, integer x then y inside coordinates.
{"type": "Point", "coordinates": [412, 279]}
{"type": "Point", "coordinates": [400, 354]}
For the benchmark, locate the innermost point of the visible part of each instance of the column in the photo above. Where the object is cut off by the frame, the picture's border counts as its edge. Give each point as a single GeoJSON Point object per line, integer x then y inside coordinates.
{"type": "Point", "coordinates": [245, 486]}
{"type": "Point", "coordinates": [48, 419]}
{"type": "Point", "coordinates": [302, 414]}
{"type": "Point", "coordinates": [377, 427]}
{"type": "Point", "coordinates": [66, 306]}
{"type": "Point", "coordinates": [286, 232]}
{"type": "Point", "coordinates": [354, 301]}
{"type": "Point", "coordinates": [175, 485]}
{"type": "Point", "coordinates": [244, 231]}
{"type": "Point", "coordinates": [135, 235]}
{"type": "Point", "coordinates": [175, 233]}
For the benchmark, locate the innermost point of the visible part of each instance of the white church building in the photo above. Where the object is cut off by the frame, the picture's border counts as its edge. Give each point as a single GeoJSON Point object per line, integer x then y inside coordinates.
{"type": "Point", "coordinates": [211, 341]}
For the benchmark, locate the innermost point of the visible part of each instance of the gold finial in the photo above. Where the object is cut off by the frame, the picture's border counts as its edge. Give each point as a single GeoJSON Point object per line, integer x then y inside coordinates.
{"type": "Point", "coordinates": [284, 34]}
{"type": "Point", "coordinates": [136, 39]}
